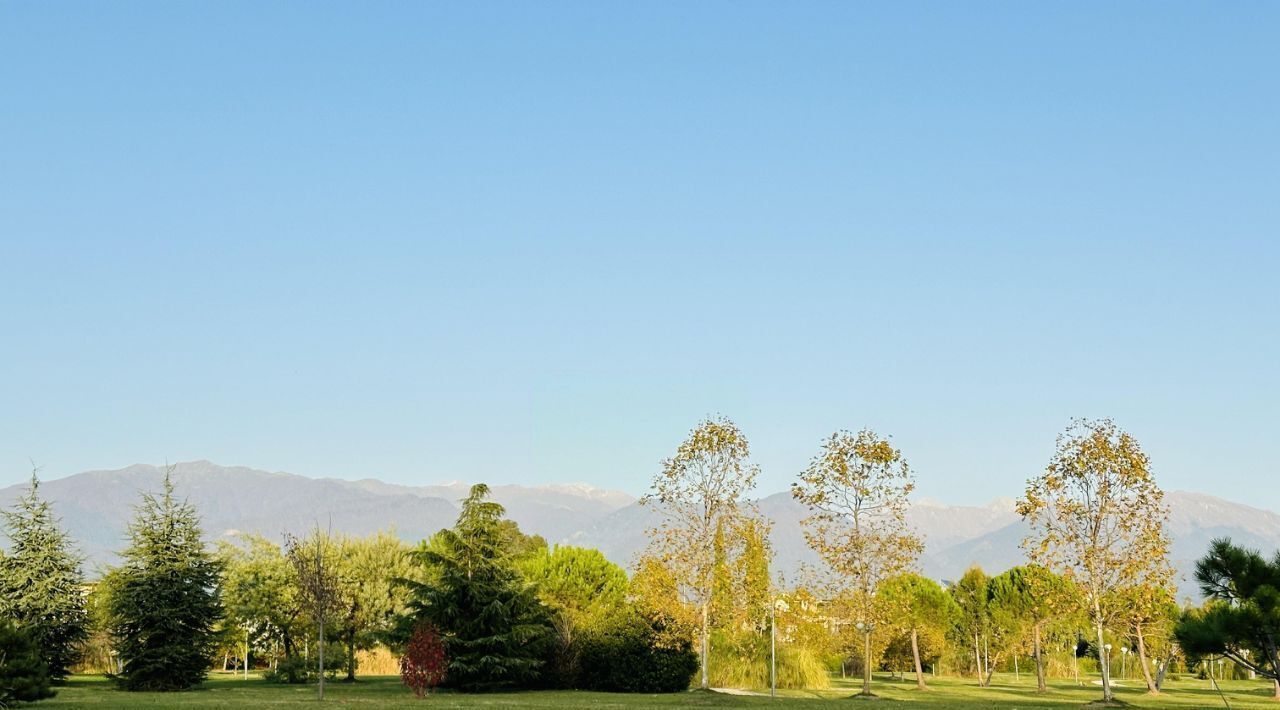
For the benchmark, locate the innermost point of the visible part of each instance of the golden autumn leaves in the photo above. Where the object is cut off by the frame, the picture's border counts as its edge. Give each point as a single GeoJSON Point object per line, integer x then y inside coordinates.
{"type": "Point", "coordinates": [1096, 517]}
{"type": "Point", "coordinates": [857, 488]}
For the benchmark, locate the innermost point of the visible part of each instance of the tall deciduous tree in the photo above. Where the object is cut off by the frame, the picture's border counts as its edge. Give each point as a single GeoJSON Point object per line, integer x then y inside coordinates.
{"type": "Point", "coordinates": [1097, 516]}
{"type": "Point", "coordinates": [369, 602]}
{"type": "Point", "coordinates": [918, 605]}
{"type": "Point", "coordinates": [166, 603]}
{"type": "Point", "coordinates": [1024, 601]}
{"type": "Point", "coordinates": [856, 489]}
{"type": "Point", "coordinates": [315, 565]}
{"type": "Point", "coordinates": [699, 491]}
{"type": "Point", "coordinates": [741, 581]}
{"type": "Point", "coordinates": [495, 627]}
{"type": "Point", "coordinates": [41, 587]}
{"type": "Point", "coordinates": [970, 594]}
{"type": "Point", "coordinates": [1148, 611]}
{"type": "Point", "coordinates": [260, 591]}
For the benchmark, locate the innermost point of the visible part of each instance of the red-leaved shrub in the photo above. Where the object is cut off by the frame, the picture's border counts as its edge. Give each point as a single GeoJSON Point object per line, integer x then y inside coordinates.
{"type": "Point", "coordinates": [425, 662]}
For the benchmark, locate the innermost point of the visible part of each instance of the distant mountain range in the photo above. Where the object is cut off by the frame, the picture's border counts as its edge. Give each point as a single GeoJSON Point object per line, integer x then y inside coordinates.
{"type": "Point", "coordinates": [96, 506]}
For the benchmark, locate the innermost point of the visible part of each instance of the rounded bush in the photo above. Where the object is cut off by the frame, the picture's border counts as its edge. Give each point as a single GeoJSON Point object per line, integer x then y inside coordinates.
{"type": "Point", "coordinates": [629, 658]}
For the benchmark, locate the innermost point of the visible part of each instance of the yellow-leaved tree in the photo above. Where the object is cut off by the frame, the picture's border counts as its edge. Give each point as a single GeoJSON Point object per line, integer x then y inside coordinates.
{"type": "Point", "coordinates": [699, 492]}
{"type": "Point", "coordinates": [1097, 517]}
{"type": "Point", "coordinates": [856, 489]}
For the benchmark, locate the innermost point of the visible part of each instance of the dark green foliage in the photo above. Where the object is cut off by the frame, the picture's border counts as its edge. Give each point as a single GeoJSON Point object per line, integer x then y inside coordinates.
{"type": "Point", "coordinates": [495, 628]}
{"type": "Point", "coordinates": [629, 658]}
{"type": "Point", "coordinates": [166, 604]}
{"type": "Point", "coordinates": [290, 670]}
{"type": "Point", "coordinates": [1242, 621]}
{"type": "Point", "coordinates": [24, 677]}
{"type": "Point", "coordinates": [41, 587]}
{"type": "Point", "coordinates": [298, 670]}
{"type": "Point", "coordinates": [582, 590]}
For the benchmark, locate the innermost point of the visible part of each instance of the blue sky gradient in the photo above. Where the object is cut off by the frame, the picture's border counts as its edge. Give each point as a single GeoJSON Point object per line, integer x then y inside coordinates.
{"type": "Point", "coordinates": [536, 242]}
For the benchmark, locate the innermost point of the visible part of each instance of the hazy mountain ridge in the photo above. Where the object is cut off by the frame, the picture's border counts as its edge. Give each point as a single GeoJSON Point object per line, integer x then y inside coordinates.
{"type": "Point", "coordinates": [96, 507]}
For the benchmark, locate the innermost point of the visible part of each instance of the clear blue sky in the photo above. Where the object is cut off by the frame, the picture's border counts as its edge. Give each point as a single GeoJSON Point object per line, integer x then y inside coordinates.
{"type": "Point", "coordinates": [538, 241]}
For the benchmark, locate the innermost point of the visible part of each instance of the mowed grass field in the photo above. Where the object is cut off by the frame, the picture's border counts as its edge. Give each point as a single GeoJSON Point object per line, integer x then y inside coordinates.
{"type": "Point", "coordinates": [224, 691]}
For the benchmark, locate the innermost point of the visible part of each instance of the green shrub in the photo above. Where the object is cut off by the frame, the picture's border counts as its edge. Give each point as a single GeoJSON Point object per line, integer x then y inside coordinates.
{"type": "Point", "coordinates": [296, 669]}
{"type": "Point", "coordinates": [24, 677]}
{"type": "Point", "coordinates": [291, 670]}
{"type": "Point", "coordinates": [628, 658]}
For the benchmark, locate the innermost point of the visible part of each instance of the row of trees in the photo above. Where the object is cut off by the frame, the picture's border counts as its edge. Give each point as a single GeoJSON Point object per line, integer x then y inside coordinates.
{"type": "Point", "coordinates": [1098, 549]}
{"type": "Point", "coordinates": [482, 605]}
{"type": "Point", "coordinates": [477, 606]}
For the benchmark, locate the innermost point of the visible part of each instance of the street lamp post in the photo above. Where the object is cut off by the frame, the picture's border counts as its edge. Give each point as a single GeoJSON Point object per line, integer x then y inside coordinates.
{"type": "Point", "coordinates": [1106, 659]}
{"type": "Point", "coordinates": [1124, 662]}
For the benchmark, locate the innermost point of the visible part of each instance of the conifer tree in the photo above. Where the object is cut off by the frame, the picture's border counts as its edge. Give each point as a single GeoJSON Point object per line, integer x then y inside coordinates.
{"type": "Point", "coordinates": [167, 605]}
{"type": "Point", "coordinates": [495, 628]}
{"type": "Point", "coordinates": [41, 587]}
{"type": "Point", "coordinates": [23, 674]}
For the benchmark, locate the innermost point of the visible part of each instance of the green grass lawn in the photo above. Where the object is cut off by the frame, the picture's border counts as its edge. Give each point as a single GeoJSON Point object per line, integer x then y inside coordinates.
{"type": "Point", "coordinates": [224, 691]}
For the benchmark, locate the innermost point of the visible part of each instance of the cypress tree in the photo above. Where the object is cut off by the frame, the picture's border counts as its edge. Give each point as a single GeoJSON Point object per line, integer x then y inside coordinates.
{"type": "Point", "coordinates": [41, 586]}
{"type": "Point", "coordinates": [167, 605]}
{"type": "Point", "coordinates": [495, 628]}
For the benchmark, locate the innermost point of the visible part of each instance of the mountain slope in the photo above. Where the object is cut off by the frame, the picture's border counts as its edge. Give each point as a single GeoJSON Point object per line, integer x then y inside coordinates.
{"type": "Point", "coordinates": [96, 507]}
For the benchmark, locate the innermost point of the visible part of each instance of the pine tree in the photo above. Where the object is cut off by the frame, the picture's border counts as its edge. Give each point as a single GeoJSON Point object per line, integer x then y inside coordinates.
{"type": "Point", "coordinates": [167, 604]}
{"type": "Point", "coordinates": [41, 587]}
{"type": "Point", "coordinates": [495, 628]}
{"type": "Point", "coordinates": [23, 674]}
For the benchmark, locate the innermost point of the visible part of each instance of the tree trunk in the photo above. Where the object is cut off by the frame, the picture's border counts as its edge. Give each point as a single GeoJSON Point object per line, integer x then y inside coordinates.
{"type": "Point", "coordinates": [246, 658]}
{"type": "Point", "coordinates": [1275, 684]}
{"type": "Point", "coordinates": [1152, 687]}
{"type": "Point", "coordinates": [866, 662]}
{"type": "Point", "coordinates": [1102, 654]}
{"type": "Point", "coordinates": [977, 659]}
{"type": "Point", "coordinates": [706, 644]}
{"type": "Point", "coordinates": [321, 655]}
{"type": "Point", "coordinates": [1040, 684]}
{"type": "Point", "coordinates": [351, 655]}
{"type": "Point", "coordinates": [915, 653]}
{"type": "Point", "coordinates": [986, 659]}
{"type": "Point", "coordinates": [1162, 670]}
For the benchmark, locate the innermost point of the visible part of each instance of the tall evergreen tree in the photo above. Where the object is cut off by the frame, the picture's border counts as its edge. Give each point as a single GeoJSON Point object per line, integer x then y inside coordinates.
{"type": "Point", "coordinates": [41, 587]}
{"type": "Point", "coordinates": [168, 603]}
{"type": "Point", "coordinates": [494, 625]}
